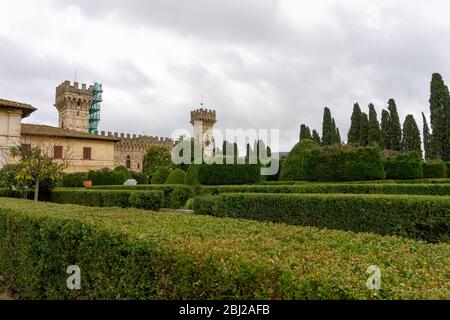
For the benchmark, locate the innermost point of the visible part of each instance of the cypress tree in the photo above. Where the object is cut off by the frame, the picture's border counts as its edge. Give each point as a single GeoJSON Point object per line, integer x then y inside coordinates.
{"type": "Point", "coordinates": [354, 133]}
{"type": "Point", "coordinates": [394, 127]}
{"type": "Point", "coordinates": [364, 130]}
{"type": "Point", "coordinates": [305, 132]}
{"type": "Point", "coordinates": [439, 100]}
{"type": "Point", "coordinates": [384, 134]}
{"type": "Point", "coordinates": [327, 128]}
{"type": "Point", "coordinates": [374, 126]}
{"type": "Point", "coordinates": [426, 137]}
{"type": "Point", "coordinates": [411, 135]}
{"type": "Point", "coordinates": [316, 136]}
{"type": "Point", "coordinates": [338, 136]}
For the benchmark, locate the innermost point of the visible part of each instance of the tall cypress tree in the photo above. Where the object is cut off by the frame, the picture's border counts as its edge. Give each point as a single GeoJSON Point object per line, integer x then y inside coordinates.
{"type": "Point", "coordinates": [338, 136]}
{"type": "Point", "coordinates": [305, 132]}
{"type": "Point", "coordinates": [426, 137]}
{"type": "Point", "coordinates": [394, 127]}
{"type": "Point", "coordinates": [384, 134]}
{"type": "Point", "coordinates": [354, 132]}
{"type": "Point", "coordinates": [316, 136]}
{"type": "Point", "coordinates": [374, 126]}
{"type": "Point", "coordinates": [364, 130]}
{"type": "Point", "coordinates": [439, 100]}
{"type": "Point", "coordinates": [327, 128]}
{"type": "Point", "coordinates": [411, 135]}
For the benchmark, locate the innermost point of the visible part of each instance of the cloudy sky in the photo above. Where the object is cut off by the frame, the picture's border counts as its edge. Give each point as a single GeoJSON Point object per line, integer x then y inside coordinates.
{"type": "Point", "coordinates": [258, 63]}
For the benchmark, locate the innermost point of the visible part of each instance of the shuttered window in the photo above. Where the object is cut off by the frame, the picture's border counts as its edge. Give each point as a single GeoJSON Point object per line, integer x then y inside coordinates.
{"type": "Point", "coordinates": [58, 152]}
{"type": "Point", "coordinates": [87, 153]}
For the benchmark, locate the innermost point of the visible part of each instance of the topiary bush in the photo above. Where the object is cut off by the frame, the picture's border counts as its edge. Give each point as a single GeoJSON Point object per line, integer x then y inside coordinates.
{"type": "Point", "coordinates": [179, 197]}
{"type": "Point", "coordinates": [148, 200]}
{"type": "Point", "coordinates": [292, 165]}
{"type": "Point", "coordinates": [107, 177]}
{"type": "Point", "coordinates": [122, 170]}
{"type": "Point", "coordinates": [176, 177]}
{"type": "Point", "coordinates": [141, 178]}
{"type": "Point", "coordinates": [434, 169]}
{"type": "Point", "coordinates": [348, 163]}
{"type": "Point", "coordinates": [74, 180]}
{"type": "Point", "coordinates": [116, 199]}
{"type": "Point", "coordinates": [192, 175]}
{"type": "Point", "coordinates": [224, 174]}
{"type": "Point", "coordinates": [160, 176]}
{"type": "Point", "coordinates": [404, 166]}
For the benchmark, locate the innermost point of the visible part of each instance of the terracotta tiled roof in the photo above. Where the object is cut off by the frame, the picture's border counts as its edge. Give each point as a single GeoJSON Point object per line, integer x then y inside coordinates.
{"type": "Point", "coordinates": [41, 130]}
{"type": "Point", "coordinates": [27, 109]}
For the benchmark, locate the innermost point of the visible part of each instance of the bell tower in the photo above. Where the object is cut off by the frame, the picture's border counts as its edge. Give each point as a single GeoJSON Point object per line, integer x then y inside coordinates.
{"type": "Point", "coordinates": [203, 121]}
{"type": "Point", "coordinates": [73, 104]}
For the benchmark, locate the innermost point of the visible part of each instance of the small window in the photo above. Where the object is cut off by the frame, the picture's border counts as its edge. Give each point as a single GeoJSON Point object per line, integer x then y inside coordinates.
{"type": "Point", "coordinates": [128, 162]}
{"type": "Point", "coordinates": [78, 113]}
{"type": "Point", "coordinates": [79, 103]}
{"type": "Point", "coordinates": [87, 154]}
{"type": "Point", "coordinates": [57, 152]}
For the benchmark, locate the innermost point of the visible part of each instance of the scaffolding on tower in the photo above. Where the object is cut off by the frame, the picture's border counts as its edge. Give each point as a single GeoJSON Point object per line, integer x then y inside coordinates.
{"type": "Point", "coordinates": [94, 111]}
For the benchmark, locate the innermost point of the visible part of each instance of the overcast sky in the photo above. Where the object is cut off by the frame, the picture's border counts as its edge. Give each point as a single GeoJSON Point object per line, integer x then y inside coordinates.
{"type": "Point", "coordinates": [258, 63]}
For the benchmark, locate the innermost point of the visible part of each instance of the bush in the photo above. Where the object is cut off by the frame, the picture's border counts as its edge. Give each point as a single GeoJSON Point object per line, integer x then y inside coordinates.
{"type": "Point", "coordinates": [447, 164]}
{"type": "Point", "coordinates": [116, 199]}
{"type": "Point", "coordinates": [160, 176]}
{"type": "Point", "coordinates": [349, 163]}
{"type": "Point", "coordinates": [223, 174]}
{"type": "Point", "coordinates": [179, 197]}
{"type": "Point", "coordinates": [128, 254]}
{"type": "Point", "coordinates": [124, 171]}
{"type": "Point", "coordinates": [74, 180]}
{"type": "Point", "coordinates": [141, 178]}
{"type": "Point", "coordinates": [149, 200]}
{"type": "Point", "coordinates": [189, 204]}
{"type": "Point", "coordinates": [424, 218]}
{"type": "Point", "coordinates": [404, 166]}
{"type": "Point", "coordinates": [434, 169]}
{"type": "Point", "coordinates": [107, 177]}
{"type": "Point", "coordinates": [176, 177]}
{"type": "Point", "coordinates": [292, 167]}
{"type": "Point", "coordinates": [192, 175]}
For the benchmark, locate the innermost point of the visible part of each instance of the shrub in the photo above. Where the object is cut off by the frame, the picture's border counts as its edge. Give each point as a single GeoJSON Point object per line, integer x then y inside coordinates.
{"type": "Point", "coordinates": [434, 169]}
{"type": "Point", "coordinates": [425, 218]}
{"type": "Point", "coordinates": [124, 171]}
{"type": "Point", "coordinates": [149, 200]}
{"type": "Point", "coordinates": [404, 166]}
{"type": "Point", "coordinates": [176, 177]}
{"type": "Point", "coordinates": [192, 175]}
{"type": "Point", "coordinates": [91, 198]}
{"type": "Point", "coordinates": [180, 196]}
{"type": "Point", "coordinates": [141, 178]}
{"type": "Point", "coordinates": [160, 176]}
{"type": "Point", "coordinates": [447, 164]}
{"type": "Point", "coordinates": [292, 167]}
{"type": "Point", "coordinates": [116, 199]}
{"type": "Point", "coordinates": [349, 163]}
{"type": "Point", "coordinates": [223, 174]}
{"type": "Point", "coordinates": [189, 204]}
{"type": "Point", "coordinates": [106, 177]}
{"type": "Point", "coordinates": [129, 254]}
{"type": "Point", "coordinates": [74, 180]}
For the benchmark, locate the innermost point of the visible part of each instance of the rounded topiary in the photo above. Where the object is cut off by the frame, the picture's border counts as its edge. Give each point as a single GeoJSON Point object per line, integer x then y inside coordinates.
{"type": "Point", "coordinates": [192, 175]}
{"type": "Point", "coordinates": [148, 200]}
{"type": "Point", "coordinates": [160, 176]}
{"type": "Point", "coordinates": [176, 177]}
{"type": "Point", "coordinates": [292, 168]}
{"type": "Point", "coordinates": [434, 169]}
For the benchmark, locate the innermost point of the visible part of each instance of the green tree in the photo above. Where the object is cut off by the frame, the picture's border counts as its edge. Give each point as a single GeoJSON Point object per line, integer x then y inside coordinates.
{"type": "Point", "coordinates": [36, 167]}
{"type": "Point", "coordinates": [338, 136]}
{"type": "Point", "coordinates": [426, 137]}
{"type": "Point", "coordinates": [305, 132]}
{"type": "Point", "coordinates": [328, 131]}
{"type": "Point", "coordinates": [316, 136]}
{"type": "Point", "coordinates": [394, 127]}
{"type": "Point", "coordinates": [411, 135]}
{"type": "Point", "coordinates": [364, 130]}
{"type": "Point", "coordinates": [374, 126]}
{"type": "Point", "coordinates": [355, 126]}
{"type": "Point", "coordinates": [439, 107]}
{"type": "Point", "coordinates": [384, 134]}
{"type": "Point", "coordinates": [156, 157]}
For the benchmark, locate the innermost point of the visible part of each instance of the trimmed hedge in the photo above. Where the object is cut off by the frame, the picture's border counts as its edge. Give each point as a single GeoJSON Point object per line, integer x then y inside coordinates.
{"type": "Point", "coordinates": [149, 200]}
{"type": "Point", "coordinates": [336, 163]}
{"type": "Point", "coordinates": [141, 178]}
{"type": "Point", "coordinates": [404, 166]}
{"type": "Point", "coordinates": [106, 198]}
{"type": "Point", "coordinates": [434, 169]}
{"type": "Point", "coordinates": [424, 218]}
{"type": "Point", "coordinates": [74, 180]}
{"type": "Point", "coordinates": [224, 174]}
{"type": "Point", "coordinates": [292, 168]}
{"type": "Point", "coordinates": [176, 177]}
{"type": "Point", "coordinates": [160, 176]}
{"type": "Point", "coordinates": [447, 164]}
{"type": "Point", "coordinates": [129, 254]}
{"type": "Point", "coordinates": [192, 175]}
{"type": "Point", "coordinates": [417, 189]}
{"type": "Point", "coordinates": [107, 177]}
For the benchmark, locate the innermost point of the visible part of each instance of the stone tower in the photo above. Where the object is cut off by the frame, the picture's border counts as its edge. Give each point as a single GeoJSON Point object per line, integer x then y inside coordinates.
{"type": "Point", "coordinates": [203, 121]}
{"type": "Point", "coordinates": [73, 104]}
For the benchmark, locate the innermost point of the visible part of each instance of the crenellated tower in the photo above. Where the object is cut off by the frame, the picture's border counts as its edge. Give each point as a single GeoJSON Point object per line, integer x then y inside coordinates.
{"type": "Point", "coordinates": [73, 103]}
{"type": "Point", "coordinates": [203, 121]}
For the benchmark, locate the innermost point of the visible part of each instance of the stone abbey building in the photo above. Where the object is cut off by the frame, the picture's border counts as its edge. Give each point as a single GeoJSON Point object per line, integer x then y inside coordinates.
{"type": "Point", "coordinates": [72, 142]}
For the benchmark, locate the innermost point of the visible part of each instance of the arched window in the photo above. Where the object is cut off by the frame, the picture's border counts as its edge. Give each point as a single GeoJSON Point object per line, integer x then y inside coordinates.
{"type": "Point", "coordinates": [128, 162]}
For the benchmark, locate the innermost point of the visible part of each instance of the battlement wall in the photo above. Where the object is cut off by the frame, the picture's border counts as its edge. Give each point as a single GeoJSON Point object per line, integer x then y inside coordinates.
{"type": "Point", "coordinates": [68, 87]}
{"type": "Point", "coordinates": [205, 115]}
{"type": "Point", "coordinates": [138, 140]}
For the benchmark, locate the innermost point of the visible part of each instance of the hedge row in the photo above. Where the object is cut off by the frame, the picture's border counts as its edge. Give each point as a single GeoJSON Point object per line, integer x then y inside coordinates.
{"type": "Point", "coordinates": [129, 254]}
{"type": "Point", "coordinates": [151, 200]}
{"type": "Point", "coordinates": [223, 174]}
{"type": "Point", "coordinates": [404, 166]}
{"type": "Point", "coordinates": [434, 169]}
{"type": "Point", "coordinates": [425, 218]}
{"type": "Point", "coordinates": [412, 189]}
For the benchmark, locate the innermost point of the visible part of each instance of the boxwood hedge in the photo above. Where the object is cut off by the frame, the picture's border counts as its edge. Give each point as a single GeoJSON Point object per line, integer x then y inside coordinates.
{"type": "Point", "coordinates": [404, 166]}
{"type": "Point", "coordinates": [434, 169]}
{"type": "Point", "coordinates": [419, 217]}
{"type": "Point", "coordinates": [130, 254]}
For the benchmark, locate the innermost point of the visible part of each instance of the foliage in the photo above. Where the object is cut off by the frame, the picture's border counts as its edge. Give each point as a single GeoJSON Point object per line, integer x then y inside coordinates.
{"type": "Point", "coordinates": [384, 133]}
{"type": "Point", "coordinates": [292, 168]}
{"type": "Point", "coordinates": [160, 176]}
{"type": "Point", "coordinates": [328, 130]}
{"type": "Point", "coordinates": [374, 135]}
{"type": "Point", "coordinates": [316, 136]}
{"type": "Point", "coordinates": [411, 135]}
{"type": "Point", "coordinates": [106, 176]}
{"type": "Point", "coordinates": [440, 113]}
{"type": "Point", "coordinates": [148, 200]}
{"type": "Point", "coordinates": [434, 169]}
{"type": "Point", "coordinates": [192, 175]}
{"type": "Point", "coordinates": [176, 177]}
{"type": "Point", "coordinates": [394, 129]}
{"type": "Point", "coordinates": [418, 217]}
{"type": "Point", "coordinates": [305, 132]}
{"type": "Point", "coordinates": [354, 132]}
{"type": "Point", "coordinates": [426, 137]}
{"type": "Point", "coordinates": [130, 254]}
{"type": "Point", "coordinates": [74, 179]}
{"type": "Point", "coordinates": [124, 172]}
{"type": "Point", "coordinates": [222, 174]}
{"type": "Point", "coordinates": [156, 157]}
{"type": "Point", "coordinates": [347, 163]}
{"type": "Point", "coordinates": [404, 166]}
{"type": "Point", "coordinates": [364, 130]}
{"type": "Point", "coordinates": [179, 197]}
{"type": "Point", "coordinates": [140, 177]}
